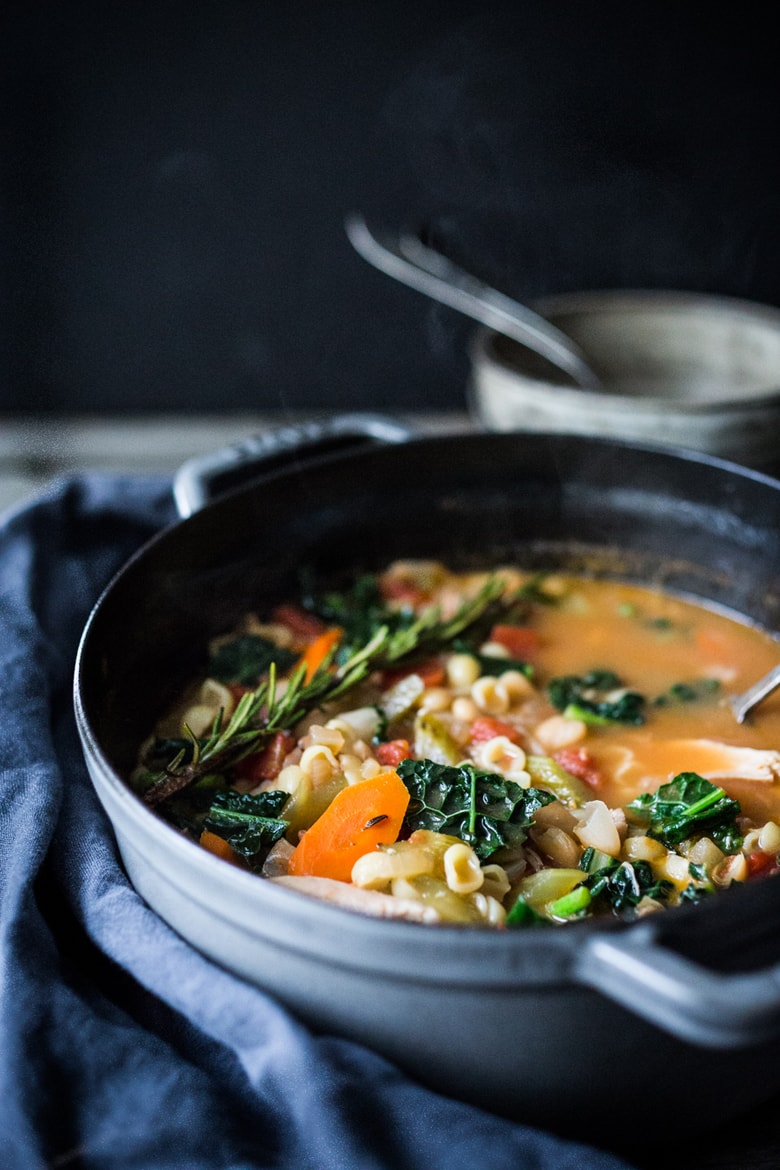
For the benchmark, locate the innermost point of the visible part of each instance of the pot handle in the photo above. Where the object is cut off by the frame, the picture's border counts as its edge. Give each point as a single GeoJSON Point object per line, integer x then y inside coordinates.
{"type": "Point", "coordinates": [204, 477]}
{"type": "Point", "coordinates": [694, 1003]}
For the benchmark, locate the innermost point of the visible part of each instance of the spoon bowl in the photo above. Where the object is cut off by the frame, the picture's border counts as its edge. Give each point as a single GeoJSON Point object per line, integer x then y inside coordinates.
{"type": "Point", "coordinates": [405, 257]}
{"type": "Point", "coordinates": [742, 704]}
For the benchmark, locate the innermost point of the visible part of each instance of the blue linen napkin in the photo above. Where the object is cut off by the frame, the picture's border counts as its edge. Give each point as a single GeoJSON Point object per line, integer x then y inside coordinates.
{"type": "Point", "coordinates": [121, 1046]}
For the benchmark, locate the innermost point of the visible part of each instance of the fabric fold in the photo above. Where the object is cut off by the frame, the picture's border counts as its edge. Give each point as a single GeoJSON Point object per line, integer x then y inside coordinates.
{"type": "Point", "coordinates": [120, 1045]}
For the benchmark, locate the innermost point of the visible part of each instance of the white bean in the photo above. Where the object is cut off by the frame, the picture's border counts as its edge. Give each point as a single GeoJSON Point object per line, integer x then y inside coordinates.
{"type": "Point", "coordinates": [462, 869]}
{"type": "Point", "coordinates": [559, 732]}
{"type": "Point", "coordinates": [462, 671]}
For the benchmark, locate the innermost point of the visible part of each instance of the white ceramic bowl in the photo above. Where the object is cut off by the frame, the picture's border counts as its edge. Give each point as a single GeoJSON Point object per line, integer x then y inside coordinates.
{"type": "Point", "coordinates": [677, 368]}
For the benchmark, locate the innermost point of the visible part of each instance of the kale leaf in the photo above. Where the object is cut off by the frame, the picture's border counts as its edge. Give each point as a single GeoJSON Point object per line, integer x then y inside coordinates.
{"type": "Point", "coordinates": [597, 698]}
{"type": "Point", "coordinates": [248, 823]}
{"type": "Point", "coordinates": [359, 611]}
{"type": "Point", "coordinates": [485, 810]}
{"type": "Point", "coordinates": [247, 658]}
{"type": "Point", "coordinates": [693, 692]}
{"type": "Point", "coordinates": [688, 805]}
{"type": "Point", "coordinates": [622, 885]}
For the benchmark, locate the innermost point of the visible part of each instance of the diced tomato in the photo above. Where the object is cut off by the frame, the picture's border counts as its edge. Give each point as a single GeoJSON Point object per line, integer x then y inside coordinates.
{"type": "Point", "coordinates": [306, 625]}
{"type": "Point", "coordinates": [431, 672]}
{"type": "Point", "coordinates": [522, 642]}
{"type": "Point", "coordinates": [760, 864]}
{"type": "Point", "coordinates": [579, 763]}
{"type": "Point", "coordinates": [485, 727]}
{"type": "Point", "coordinates": [267, 763]}
{"type": "Point", "coordinates": [392, 752]}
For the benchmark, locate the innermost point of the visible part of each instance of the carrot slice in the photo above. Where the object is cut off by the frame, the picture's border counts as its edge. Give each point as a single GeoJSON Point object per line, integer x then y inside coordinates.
{"type": "Point", "coordinates": [318, 650]}
{"type": "Point", "coordinates": [358, 819]}
{"type": "Point", "coordinates": [218, 846]}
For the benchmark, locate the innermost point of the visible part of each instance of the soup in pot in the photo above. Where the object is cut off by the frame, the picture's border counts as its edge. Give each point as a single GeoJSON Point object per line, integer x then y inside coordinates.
{"type": "Point", "coordinates": [499, 749]}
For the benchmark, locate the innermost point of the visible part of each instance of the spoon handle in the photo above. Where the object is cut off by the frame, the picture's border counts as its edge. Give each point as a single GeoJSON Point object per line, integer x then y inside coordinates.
{"type": "Point", "coordinates": [742, 704]}
{"type": "Point", "coordinates": [429, 272]}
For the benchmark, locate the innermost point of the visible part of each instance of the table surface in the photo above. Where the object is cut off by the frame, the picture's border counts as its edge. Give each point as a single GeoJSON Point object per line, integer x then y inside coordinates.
{"type": "Point", "coordinates": [35, 450]}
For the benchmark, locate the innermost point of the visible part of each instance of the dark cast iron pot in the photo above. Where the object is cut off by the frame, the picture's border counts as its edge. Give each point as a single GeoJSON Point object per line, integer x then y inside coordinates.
{"type": "Point", "coordinates": [567, 1028]}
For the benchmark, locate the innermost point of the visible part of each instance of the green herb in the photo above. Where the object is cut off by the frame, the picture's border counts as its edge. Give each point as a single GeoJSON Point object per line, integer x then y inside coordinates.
{"type": "Point", "coordinates": [246, 658]}
{"type": "Point", "coordinates": [534, 591]}
{"type": "Point", "coordinates": [485, 810]}
{"type": "Point", "coordinates": [428, 632]}
{"type": "Point", "coordinates": [660, 623]}
{"type": "Point", "coordinates": [360, 611]}
{"type": "Point", "coordinates": [683, 692]}
{"type": "Point", "coordinates": [597, 698]}
{"type": "Point", "coordinates": [248, 823]}
{"type": "Point", "coordinates": [690, 805]}
{"type": "Point", "coordinates": [263, 711]}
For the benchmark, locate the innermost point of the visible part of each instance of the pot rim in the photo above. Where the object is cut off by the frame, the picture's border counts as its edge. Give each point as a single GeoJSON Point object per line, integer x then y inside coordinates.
{"type": "Point", "coordinates": [399, 950]}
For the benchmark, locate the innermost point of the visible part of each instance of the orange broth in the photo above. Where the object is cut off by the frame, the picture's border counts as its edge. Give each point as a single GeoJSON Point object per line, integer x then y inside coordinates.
{"type": "Point", "coordinates": [653, 640]}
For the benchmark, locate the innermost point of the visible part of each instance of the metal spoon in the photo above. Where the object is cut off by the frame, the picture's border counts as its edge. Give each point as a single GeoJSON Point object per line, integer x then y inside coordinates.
{"type": "Point", "coordinates": [742, 704]}
{"type": "Point", "coordinates": [406, 258]}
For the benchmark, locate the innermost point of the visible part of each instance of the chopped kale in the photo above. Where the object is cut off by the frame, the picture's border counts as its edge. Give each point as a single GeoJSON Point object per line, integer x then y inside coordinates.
{"type": "Point", "coordinates": [250, 824]}
{"type": "Point", "coordinates": [690, 805]}
{"type": "Point", "coordinates": [485, 810]}
{"type": "Point", "coordinates": [247, 658]}
{"type": "Point", "coordinates": [359, 611]}
{"type": "Point", "coordinates": [597, 698]}
{"type": "Point", "coordinates": [621, 886]}
{"type": "Point", "coordinates": [693, 692]}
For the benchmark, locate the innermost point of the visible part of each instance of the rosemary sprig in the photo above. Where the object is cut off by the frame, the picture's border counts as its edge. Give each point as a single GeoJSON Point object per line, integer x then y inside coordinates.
{"type": "Point", "coordinates": [260, 713]}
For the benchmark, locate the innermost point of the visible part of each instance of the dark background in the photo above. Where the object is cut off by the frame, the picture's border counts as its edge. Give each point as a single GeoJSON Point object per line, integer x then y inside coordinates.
{"type": "Point", "coordinates": [175, 178]}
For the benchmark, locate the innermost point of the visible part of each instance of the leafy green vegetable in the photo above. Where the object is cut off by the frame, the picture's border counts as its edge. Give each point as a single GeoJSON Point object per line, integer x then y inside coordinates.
{"type": "Point", "coordinates": [485, 810]}
{"type": "Point", "coordinates": [688, 805]}
{"type": "Point", "coordinates": [523, 915]}
{"type": "Point", "coordinates": [161, 751]}
{"type": "Point", "coordinates": [359, 611]}
{"type": "Point", "coordinates": [246, 658]}
{"type": "Point", "coordinates": [682, 692]}
{"type": "Point", "coordinates": [621, 886]}
{"type": "Point", "coordinates": [597, 697]}
{"type": "Point", "coordinates": [263, 711]}
{"type": "Point", "coordinates": [248, 823]}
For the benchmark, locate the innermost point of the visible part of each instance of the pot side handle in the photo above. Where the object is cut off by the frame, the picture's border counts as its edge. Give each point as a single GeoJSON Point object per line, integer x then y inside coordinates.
{"type": "Point", "coordinates": [694, 1003]}
{"type": "Point", "coordinates": [204, 477]}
